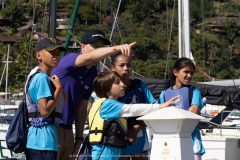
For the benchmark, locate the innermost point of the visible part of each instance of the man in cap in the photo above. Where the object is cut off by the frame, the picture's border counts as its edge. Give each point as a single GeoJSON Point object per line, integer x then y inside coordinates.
{"type": "Point", "coordinates": [77, 72]}
{"type": "Point", "coordinates": [42, 133]}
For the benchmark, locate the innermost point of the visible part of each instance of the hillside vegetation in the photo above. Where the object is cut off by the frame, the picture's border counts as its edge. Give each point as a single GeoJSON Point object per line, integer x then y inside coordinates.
{"type": "Point", "coordinates": [152, 24]}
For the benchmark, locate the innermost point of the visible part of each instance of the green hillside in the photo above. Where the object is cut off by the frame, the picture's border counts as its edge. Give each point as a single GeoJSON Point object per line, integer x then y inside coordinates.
{"type": "Point", "coordinates": [215, 27]}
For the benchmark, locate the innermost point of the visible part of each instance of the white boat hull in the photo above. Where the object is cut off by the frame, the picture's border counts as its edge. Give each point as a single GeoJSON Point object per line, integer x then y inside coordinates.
{"type": "Point", "coordinates": [221, 148]}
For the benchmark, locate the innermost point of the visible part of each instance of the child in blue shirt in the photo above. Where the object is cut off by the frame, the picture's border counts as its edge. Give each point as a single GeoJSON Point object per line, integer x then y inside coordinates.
{"type": "Point", "coordinates": [136, 92]}
{"type": "Point", "coordinates": [42, 134]}
{"type": "Point", "coordinates": [109, 87]}
{"type": "Point", "coordinates": [189, 97]}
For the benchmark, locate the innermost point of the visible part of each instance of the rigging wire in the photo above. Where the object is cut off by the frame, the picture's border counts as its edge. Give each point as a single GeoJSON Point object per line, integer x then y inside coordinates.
{"type": "Point", "coordinates": [34, 5]}
{"type": "Point", "coordinates": [3, 74]}
{"type": "Point", "coordinates": [169, 41]}
{"type": "Point", "coordinates": [115, 19]}
{"type": "Point", "coordinates": [44, 15]}
{"type": "Point", "coordinates": [207, 75]}
{"type": "Point", "coordinates": [203, 37]}
{"type": "Point", "coordinates": [100, 12]}
{"type": "Point", "coordinates": [75, 37]}
{"type": "Point", "coordinates": [167, 17]}
{"type": "Point", "coordinates": [112, 31]}
{"type": "Point", "coordinates": [117, 26]}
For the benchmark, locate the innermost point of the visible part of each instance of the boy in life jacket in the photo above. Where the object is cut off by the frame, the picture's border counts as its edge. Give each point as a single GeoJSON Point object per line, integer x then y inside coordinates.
{"type": "Point", "coordinates": [136, 91]}
{"type": "Point", "coordinates": [107, 117]}
{"type": "Point", "coordinates": [189, 97]}
{"type": "Point", "coordinates": [41, 102]}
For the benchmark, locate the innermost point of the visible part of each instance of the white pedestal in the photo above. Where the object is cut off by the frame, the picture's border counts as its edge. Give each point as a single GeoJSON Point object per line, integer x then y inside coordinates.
{"type": "Point", "coordinates": [172, 128]}
{"type": "Point", "coordinates": [171, 147]}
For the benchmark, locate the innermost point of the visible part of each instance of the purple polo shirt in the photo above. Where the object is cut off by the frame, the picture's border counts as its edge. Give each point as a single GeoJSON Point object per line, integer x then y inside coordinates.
{"type": "Point", "coordinates": [77, 84]}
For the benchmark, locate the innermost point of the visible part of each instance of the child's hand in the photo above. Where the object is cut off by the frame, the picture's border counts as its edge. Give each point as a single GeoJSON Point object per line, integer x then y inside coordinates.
{"type": "Point", "coordinates": [194, 109]}
{"type": "Point", "coordinates": [132, 135]}
{"type": "Point", "coordinates": [169, 102]}
{"type": "Point", "coordinates": [56, 81]}
{"type": "Point", "coordinates": [172, 100]}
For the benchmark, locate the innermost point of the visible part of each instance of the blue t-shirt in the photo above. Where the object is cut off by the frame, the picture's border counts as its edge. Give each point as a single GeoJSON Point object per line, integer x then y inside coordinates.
{"type": "Point", "coordinates": [77, 84]}
{"type": "Point", "coordinates": [110, 110]}
{"type": "Point", "coordinates": [45, 137]}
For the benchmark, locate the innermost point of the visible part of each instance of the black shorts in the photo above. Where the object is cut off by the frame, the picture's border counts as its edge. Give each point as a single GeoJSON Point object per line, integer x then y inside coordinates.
{"type": "Point", "coordinates": [32, 154]}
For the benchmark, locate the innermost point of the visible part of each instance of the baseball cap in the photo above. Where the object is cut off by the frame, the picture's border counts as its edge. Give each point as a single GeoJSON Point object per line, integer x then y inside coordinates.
{"type": "Point", "coordinates": [94, 36]}
{"type": "Point", "coordinates": [48, 44]}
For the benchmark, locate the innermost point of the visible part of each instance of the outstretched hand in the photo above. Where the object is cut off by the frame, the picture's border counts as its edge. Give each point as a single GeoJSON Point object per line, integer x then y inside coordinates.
{"type": "Point", "coordinates": [125, 48]}
{"type": "Point", "coordinates": [172, 101]}
{"type": "Point", "coordinates": [194, 109]}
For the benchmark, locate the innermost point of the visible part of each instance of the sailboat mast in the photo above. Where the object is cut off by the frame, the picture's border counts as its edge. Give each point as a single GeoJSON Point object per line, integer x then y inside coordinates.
{"type": "Point", "coordinates": [180, 41]}
{"type": "Point", "coordinates": [184, 29]}
{"type": "Point", "coordinates": [52, 18]}
{"type": "Point", "coordinates": [6, 84]}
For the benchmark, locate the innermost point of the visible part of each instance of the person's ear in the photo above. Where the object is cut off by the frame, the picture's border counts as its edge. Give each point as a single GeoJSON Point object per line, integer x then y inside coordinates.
{"type": "Point", "coordinates": [113, 68]}
{"type": "Point", "coordinates": [175, 72]}
{"type": "Point", "coordinates": [38, 56]}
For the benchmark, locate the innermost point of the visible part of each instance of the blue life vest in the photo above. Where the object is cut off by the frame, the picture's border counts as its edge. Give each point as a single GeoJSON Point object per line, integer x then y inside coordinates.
{"type": "Point", "coordinates": [185, 96]}
{"type": "Point", "coordinates": [134, 94]}
{"type": "Point", "coordinates": [35, 119]}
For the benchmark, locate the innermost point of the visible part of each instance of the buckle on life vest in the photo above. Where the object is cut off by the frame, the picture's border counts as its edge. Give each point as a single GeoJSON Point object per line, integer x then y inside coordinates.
{"type": "Point", "coordinates": [95, 131]}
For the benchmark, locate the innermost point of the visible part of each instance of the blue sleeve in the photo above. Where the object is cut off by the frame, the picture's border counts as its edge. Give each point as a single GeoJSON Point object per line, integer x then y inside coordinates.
{"type": "Point", "coordinates": [161, 97]}
{"type": "Point", "coordinates": [40, 87]}
{"type": "Point", "coordinates": [147, 93]}
{"type": "Point", "coordinates": [197, 98]}
{"type": "Point", "coordinates": [111, 109]}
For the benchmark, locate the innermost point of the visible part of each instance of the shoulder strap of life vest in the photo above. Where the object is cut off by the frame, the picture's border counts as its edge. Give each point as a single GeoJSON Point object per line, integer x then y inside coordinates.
{"type": "Point", "coordinates": [96, 122]}
{"type": "Point", "coordinates": [137, 82]}
{"type": "Point", "coordinates": [190, 94]}
{"type": "Point", "coordinates": [95, 108]}
{"type": "Point", "coordinates": [27, 84]}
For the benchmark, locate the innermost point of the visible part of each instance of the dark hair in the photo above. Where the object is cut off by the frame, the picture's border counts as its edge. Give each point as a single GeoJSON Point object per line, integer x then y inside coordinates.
{"type": "Point", "coordinates": [102, 84]}
{"type": "Point", "coordinates": [114, 57]}
{"type": "Point", "coordinates": [179, 64]}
